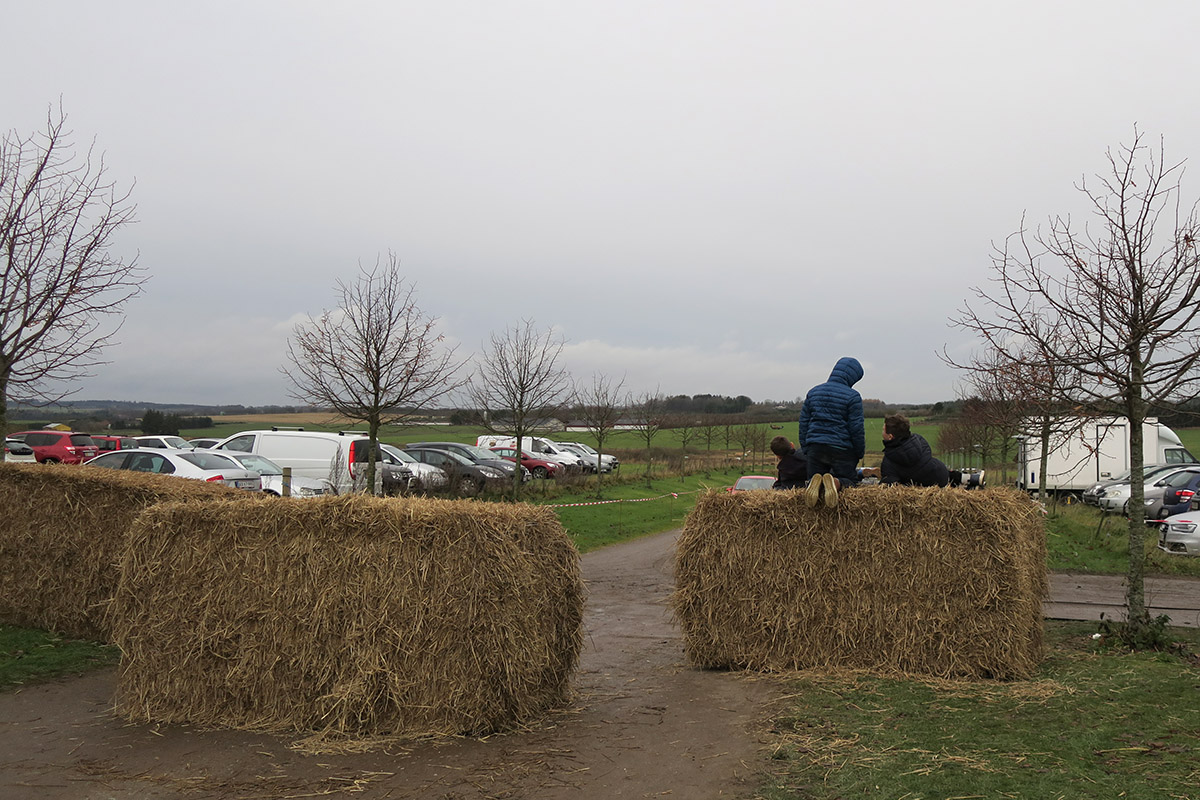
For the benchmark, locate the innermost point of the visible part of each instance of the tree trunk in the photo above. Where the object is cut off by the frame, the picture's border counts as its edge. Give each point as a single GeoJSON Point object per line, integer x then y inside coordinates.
{"type": "Point", "coordinates": [1137, 507]}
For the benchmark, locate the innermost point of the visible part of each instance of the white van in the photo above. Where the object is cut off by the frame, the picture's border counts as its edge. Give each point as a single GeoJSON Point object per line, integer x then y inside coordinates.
{"type": "Point", "coordinates": [340, 458]}
{"type": "Point", "coordinates": [536, 446]}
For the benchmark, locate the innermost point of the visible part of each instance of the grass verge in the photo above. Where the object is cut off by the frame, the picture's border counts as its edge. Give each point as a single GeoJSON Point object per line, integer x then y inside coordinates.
{"type": "Point", "coordinates": [29, 656]}
{"type": "Point", "coordinates": [629, 510]}
{"type": "Point", "coordinates": [1092, 724]}
{"type": "Point", "coordinates": [1080, 538]}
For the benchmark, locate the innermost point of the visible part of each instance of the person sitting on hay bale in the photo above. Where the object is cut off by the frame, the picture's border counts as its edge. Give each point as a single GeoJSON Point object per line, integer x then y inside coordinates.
{"type": "Point", "coordinates": [907, 457]}
{"type": "Point", "coordinates": [832, 433]}
{"type": "Point", "coordinates": [793, 466]}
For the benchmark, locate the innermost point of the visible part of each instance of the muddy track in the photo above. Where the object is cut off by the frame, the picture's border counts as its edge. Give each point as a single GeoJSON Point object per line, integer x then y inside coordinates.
{"type": "Point", "coordinates": [644, 724]}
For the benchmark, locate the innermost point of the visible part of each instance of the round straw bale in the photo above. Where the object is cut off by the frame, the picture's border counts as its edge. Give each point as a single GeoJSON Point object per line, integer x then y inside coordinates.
{"type": "Point", "coordinates": [939, 582]}
{"type": "Point", "coordinates": [62, 534]}
{"type": "Point", "coordinates": [350, 616]}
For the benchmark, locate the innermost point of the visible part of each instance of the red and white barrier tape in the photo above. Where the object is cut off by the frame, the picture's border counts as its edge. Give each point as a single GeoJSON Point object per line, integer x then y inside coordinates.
{"type": "Point", "coordinates": [606, 502]}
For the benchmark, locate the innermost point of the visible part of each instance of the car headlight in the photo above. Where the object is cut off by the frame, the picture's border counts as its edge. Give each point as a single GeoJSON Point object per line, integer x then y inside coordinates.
{"type": "Point", "coordinates": [1182, 527]}
{"type": "Point", "coordinates": [491, 473]}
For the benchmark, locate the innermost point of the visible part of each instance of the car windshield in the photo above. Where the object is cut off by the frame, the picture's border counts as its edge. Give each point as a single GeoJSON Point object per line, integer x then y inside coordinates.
{"type": "Point", "coordinates": [461, 459]}
{"type": "Point", "coordinates": [586, 449]}
{"type": "Point", "coordinates": [260, 464]}
{"type": "Point", "coordinates": [208, 460]}
{"type": "Point", "coordinates": [397, 453]}
{"type": "Point", "coordinates": [176, 442]}
{"type": "Point", "coordinates": [754, 483]}
{"type": "Point", "coordinates": [480, 453]}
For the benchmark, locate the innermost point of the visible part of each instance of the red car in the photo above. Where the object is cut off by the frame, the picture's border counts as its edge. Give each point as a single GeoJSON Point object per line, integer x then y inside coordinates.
{"type": "Point", "coordinates": [110, 443]}
{"type": "Point", "coordinates": [59, 447]}
{"type": "Point", "coordinates": [539, 468]}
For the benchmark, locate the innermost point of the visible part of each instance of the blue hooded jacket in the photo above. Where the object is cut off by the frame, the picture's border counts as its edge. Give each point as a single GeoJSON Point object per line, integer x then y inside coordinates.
{"type": "Point", "coordinates": [833, 413]}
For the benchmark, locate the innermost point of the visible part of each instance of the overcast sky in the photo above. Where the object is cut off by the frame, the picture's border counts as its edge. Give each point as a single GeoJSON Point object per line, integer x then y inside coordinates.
{"type": "Point", "coordinates": [700, 197]}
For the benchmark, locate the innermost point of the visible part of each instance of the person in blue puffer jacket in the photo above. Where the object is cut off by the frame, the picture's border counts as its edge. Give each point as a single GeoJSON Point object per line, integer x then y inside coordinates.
{"type": "Point", "coordinates": [831, 426]}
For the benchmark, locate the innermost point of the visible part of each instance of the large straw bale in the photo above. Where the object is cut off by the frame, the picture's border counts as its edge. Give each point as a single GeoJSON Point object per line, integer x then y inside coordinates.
{"type": "Point", "coordinates": [62, 533]}
{"type": "Point", "coordinates": [348, 616]}
{"type": "Point", "coordinates": [941, 582]}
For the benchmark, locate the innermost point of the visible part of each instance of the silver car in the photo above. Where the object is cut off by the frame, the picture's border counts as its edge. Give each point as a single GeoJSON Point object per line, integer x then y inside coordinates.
{"type": "Point", "coordinates": [1116, 498]}
{"type": "Point", "coordinates": [1180, 535]}
{"type": "Point", "coordinates": [272, 475]}
{"type": "Point", "coordinates": [198, 465]}
{"type": "Point", "coordinates": [426, 477]}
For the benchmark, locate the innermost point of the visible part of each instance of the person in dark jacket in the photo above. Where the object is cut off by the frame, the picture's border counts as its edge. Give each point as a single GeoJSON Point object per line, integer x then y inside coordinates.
{"type": "Point", "coordinates": [832, 434]}
{"type": "Point", "coordinates": [907, 457]}
{"type": "Point", "coordinates": [793, 467]}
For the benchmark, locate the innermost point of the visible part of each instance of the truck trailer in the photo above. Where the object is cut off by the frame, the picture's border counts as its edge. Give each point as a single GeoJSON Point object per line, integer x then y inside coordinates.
{"type": "Point", "coordinates": [1094, 450]}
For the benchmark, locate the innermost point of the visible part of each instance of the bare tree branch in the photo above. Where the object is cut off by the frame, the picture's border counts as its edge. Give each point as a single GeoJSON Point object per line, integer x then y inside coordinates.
{"type": "Point", "coordinates": [59, 216]}
{"type": "Point", "coordinates": [376, 358]}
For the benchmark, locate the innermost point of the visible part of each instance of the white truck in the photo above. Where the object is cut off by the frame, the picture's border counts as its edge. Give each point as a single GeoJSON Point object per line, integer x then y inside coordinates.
{"type": "Point", "coordinates": [1092, 451]}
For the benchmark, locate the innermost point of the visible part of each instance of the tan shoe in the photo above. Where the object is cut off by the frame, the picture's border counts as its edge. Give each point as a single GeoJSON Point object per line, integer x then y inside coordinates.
{"type": "Point", "coordinates": [812, 493]}
{"type": "Point", "coordinates": [831, 485]}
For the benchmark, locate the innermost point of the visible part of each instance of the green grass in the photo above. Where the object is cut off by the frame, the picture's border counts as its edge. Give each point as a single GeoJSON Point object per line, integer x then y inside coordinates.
{"type": "Point", "coordinates": [29, 656]}
{"type": "Point", "coordinates": [1092, 724]}
{"type": "Point", "coordinates": [1081, 538]}
{"type": "Point", "coordinates": [642, 508]}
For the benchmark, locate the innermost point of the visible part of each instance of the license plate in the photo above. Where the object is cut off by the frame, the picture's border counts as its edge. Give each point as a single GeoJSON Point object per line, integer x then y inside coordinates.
{"type": "Point", "coordinates": [246, 483]}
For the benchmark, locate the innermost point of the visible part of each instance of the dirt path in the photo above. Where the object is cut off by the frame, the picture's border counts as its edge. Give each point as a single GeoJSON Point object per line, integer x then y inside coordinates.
{"type": "Point", "coordinates": [644, 725]}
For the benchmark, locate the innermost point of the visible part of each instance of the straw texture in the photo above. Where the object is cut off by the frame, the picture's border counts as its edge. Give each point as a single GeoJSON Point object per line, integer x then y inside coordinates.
{"type": "Point", "coordinates": [62, 533]}
{"type": "Point", "coordinates": [939, 582]}
{"type": "Point", "coordinates": [348, 616]}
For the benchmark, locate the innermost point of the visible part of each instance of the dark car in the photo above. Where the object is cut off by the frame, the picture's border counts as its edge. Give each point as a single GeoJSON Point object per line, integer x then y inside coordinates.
{"type": "Point", "coordinates": [475, 454]}
{"type": "Point", "coordinates": [1172, 495]}
{"type": "Point", "coordinates": [465, 476]}
{"type": "Point", "coordinates": [58, 447]}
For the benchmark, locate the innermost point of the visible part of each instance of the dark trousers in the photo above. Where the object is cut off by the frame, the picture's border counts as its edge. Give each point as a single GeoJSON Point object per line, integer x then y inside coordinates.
{"type": "Point", "coordinates": [835, 461]}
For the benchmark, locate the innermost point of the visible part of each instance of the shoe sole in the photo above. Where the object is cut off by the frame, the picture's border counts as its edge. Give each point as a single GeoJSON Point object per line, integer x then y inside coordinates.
{"type": "Point", "coordinates": [831, 491]}
{"type": "Point", "coordinates": [812, 494]}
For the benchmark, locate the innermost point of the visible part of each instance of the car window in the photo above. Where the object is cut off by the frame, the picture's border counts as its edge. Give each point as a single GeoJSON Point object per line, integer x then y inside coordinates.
{"type": "Point", "coordinates": [207, 459]}
{"type": "Point", "coordinates": [243, 444]}
{"type": "Point", "coordinates": [1179, 479]}
{"type": "Point", "coordinates": [260, 464]}
{"type": "Point", "coordinates": [115, 460]}
{"type": "Point", "coordinates": [150, 462]}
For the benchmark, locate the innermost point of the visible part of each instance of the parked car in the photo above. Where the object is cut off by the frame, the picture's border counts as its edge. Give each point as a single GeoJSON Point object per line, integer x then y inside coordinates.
{"type": "Point", "coordinates": [341, 458]}
{"type": "Point", "coordinates": [17, 451]}
{"type": "Point", "coordinates": [587, 462]}
{"type": "Point", "coordinates": [109, 443]}
{"type": "Point", "coordinates": [538, 467]}
{"type": "Point", "coordinates": [164, 442]}
{"type": "Point", "coordinates": [608, 463]}
{"type": "Point", "coordinates": [748, 483]}
{"type": "Point", "coordinates": [1173, 494]}
{"type": "Point", "coordinates": [272, 475]}
{"type": "Point", "coordinates": [425, 477]}
{"type": "Point", "coordinates": [538, 446]}
{"type": "Point", "coordinates": [476, 454]}
{"type": "Point", "coordinates": [197, 465]}
{"type": "Point", "coordinates": [58, 447]}
{"type": "Point", "coordinates": [1180, 535]}
{"type": "Point", "coordinates": [202, 444]}
{"type": "Point", "coordinates": [465, 476]}
{"type": "Point", "coordinates": [1093, 494]}
{"type": "Point", "coordinates": [1116, 498]}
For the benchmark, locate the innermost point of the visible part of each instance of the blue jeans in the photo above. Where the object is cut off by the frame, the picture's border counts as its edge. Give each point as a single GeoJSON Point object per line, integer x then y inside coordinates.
{"type": "Point", "coordinates": [836, 461]}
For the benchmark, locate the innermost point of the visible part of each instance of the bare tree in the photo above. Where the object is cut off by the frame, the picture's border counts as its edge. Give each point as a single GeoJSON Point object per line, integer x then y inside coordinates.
{"type": "Point", "coordinates": [649, 417]}
{"type": "Point", "coordinates": [59, 215]}
{"type": "Point", "coordinates": [519, 384]}
{"type": "Point", "coordinates": [376, 358]}
{"type": "Point", "coordinates": [684, 428]}
{"type": "Point", "coordinates": [600, 408]}
{"type": "Point", "coordinates": [1113, 312]}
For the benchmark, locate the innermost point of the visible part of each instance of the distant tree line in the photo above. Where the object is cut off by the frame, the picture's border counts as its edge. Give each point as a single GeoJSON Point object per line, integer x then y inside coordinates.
{"type": "Point", "coordinates": [156, 422]}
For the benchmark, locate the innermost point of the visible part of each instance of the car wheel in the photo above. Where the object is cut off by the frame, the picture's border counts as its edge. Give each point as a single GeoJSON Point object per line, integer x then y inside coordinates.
{"type": "Point", "coordinates": [469, 486]}
{"type": "Point", "coordinates": [539, 472]}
